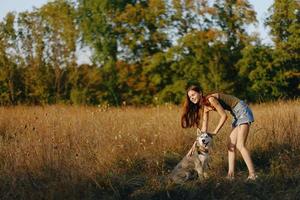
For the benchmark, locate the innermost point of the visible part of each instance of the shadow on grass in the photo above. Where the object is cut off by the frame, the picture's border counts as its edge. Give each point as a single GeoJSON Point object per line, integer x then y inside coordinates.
{"type": "Point", "coordinates": [264, 188]}
{"type": "Point", "coordinates": [279, 178]}
{"type": "Point", "coordinates": [275, 160]}
{"type": "Point", "coordinates": [278, 167]}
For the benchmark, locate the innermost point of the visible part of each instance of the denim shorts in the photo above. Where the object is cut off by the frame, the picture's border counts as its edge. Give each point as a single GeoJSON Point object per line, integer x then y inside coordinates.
{"type": "Point", "coordinates": [242, 114]}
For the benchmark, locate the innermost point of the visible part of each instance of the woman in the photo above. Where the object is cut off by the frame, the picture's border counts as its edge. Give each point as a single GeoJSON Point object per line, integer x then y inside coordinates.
{"type": "Point", "coordinates": [197, 105]}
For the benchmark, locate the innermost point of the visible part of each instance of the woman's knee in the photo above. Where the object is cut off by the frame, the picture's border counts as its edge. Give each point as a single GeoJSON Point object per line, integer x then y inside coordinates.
{"type": "Point", "coordinates": [231, 147]}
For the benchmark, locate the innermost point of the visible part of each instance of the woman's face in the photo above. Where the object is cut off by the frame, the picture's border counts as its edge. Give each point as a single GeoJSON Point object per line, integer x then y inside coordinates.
{"type": "Point", "coordinates": [194, 96]}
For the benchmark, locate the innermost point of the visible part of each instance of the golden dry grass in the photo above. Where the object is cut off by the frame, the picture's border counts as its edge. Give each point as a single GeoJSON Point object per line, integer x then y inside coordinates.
{"type": "Point", "coordinates": [52, 147]}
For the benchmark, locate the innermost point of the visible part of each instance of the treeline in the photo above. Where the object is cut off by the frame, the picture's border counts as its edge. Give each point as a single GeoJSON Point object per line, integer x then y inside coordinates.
{"type": "Point", "coordinates": [147, 51]}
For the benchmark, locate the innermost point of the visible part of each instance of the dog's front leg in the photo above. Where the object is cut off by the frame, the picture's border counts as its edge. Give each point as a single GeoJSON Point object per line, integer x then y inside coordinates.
{"type": "Point", "coordinates": [205, 167]}
{"type": "Point", "coordinates": [199, 169]}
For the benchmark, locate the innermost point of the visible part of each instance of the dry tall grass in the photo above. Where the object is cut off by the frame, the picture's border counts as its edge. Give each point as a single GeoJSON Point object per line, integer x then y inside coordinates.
{"type": "Point", "coordinates": [75, 152]}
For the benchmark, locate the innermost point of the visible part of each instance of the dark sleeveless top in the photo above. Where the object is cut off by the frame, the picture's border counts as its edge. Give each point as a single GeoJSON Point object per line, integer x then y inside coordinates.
{"type": "Point", "coordinates": [226, 101]}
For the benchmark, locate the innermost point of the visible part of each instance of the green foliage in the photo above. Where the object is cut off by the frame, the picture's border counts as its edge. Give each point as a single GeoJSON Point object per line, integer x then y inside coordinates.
{"type": "Point", "coordinates": [10, 73]}
{"type": "Point", "coordinates": [174, 93]}
{"type": "Point", "coordinates": [85, 84]}
{"type": "Point", "coordinates": [78, 96]}
{"type": "Point", "coordinates": [140, 28]}
{"type": "Point", "coordinates": [284, 22]}
{"type": "Point", "coordinates": [146, 52]}
{"type": "Point", "coordinates": [256, 73]}
{"type": "Point", "coordinates": [96, 23]}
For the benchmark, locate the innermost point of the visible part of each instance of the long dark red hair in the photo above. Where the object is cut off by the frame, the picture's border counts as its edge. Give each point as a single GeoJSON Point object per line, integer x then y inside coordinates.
{"type": "Point", "coordinates": [192, 113]}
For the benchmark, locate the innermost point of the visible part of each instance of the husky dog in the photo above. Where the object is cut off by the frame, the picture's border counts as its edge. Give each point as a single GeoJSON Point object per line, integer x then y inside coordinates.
{"type": "Point", "coordinates": [195, 160]}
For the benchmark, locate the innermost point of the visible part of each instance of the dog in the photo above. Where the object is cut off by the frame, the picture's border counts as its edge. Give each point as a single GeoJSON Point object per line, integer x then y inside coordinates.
{"type": "Point", "coordinates": [195, 160]}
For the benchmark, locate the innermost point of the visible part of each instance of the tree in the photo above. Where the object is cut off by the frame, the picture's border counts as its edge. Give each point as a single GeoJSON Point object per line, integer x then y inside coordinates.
{"type": "Point", "coordinates": [284, 22]}
{"type": "Point", "coordinates": [85, 84]}
{"type": "Point", "coordinates": [256, 73]}
{"type": "Point", "coordinates": [232, 17]}
{"type": "Point", "coordinates": [140, 29]}
{"type": "Point", "coordinates": [61, 34]}
{"type": "Point", "coordinates": [47, 41]}
{"type": "Point", "coordinates": [10, 76]}
{"type": "Point", "coordinates": [98, 31]}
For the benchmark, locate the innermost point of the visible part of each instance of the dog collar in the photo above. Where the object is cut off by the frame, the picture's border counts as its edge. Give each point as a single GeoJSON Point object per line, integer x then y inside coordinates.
{"type": "Point", "coordinates": [201, 150]}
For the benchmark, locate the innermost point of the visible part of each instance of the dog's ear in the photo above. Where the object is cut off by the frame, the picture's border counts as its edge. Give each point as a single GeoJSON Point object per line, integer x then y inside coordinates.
{"type": "Point", "coordinates": [210, 135]}
{"type": "Point", "coordinates": [198, 132]}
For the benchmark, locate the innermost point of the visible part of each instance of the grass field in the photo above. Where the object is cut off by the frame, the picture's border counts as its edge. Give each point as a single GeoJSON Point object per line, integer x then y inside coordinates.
{"type": "Point", "coordinates": [64, 152]}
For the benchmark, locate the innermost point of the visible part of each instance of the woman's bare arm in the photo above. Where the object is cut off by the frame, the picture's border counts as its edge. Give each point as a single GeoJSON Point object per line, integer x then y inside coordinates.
{"type": "Point", "coordinates": [205, 120]}
{"type": "Point", "coordinates": [192, 150]}
{"type": "Point", "coordinates": [223, 116]}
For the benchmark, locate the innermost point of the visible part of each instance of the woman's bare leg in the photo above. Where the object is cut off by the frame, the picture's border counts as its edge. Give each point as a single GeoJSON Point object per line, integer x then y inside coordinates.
{"type": "Point", "coordinates": [242, 135]}
{"type": "Point", "coordinates": [232, 140]}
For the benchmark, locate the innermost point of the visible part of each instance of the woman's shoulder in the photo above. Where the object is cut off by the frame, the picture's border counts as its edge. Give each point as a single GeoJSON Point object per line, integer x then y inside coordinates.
{"type": "Point", "coordinates": [215, 95]}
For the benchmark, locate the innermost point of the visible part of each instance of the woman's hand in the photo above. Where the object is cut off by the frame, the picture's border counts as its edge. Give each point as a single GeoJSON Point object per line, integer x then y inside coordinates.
{"type": "Point", "coordinates": [212, 134]}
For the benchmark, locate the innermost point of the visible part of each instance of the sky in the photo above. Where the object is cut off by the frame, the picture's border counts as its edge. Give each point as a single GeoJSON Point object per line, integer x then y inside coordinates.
{"type": "Point", "coordinates": [260, 6]}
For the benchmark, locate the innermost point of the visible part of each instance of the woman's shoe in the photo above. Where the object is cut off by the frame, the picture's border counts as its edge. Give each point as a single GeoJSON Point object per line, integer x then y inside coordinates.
{"type": "Point", "coordinates": [252, 177]}
{"type": "Point", "coordinates": [229, 178]}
